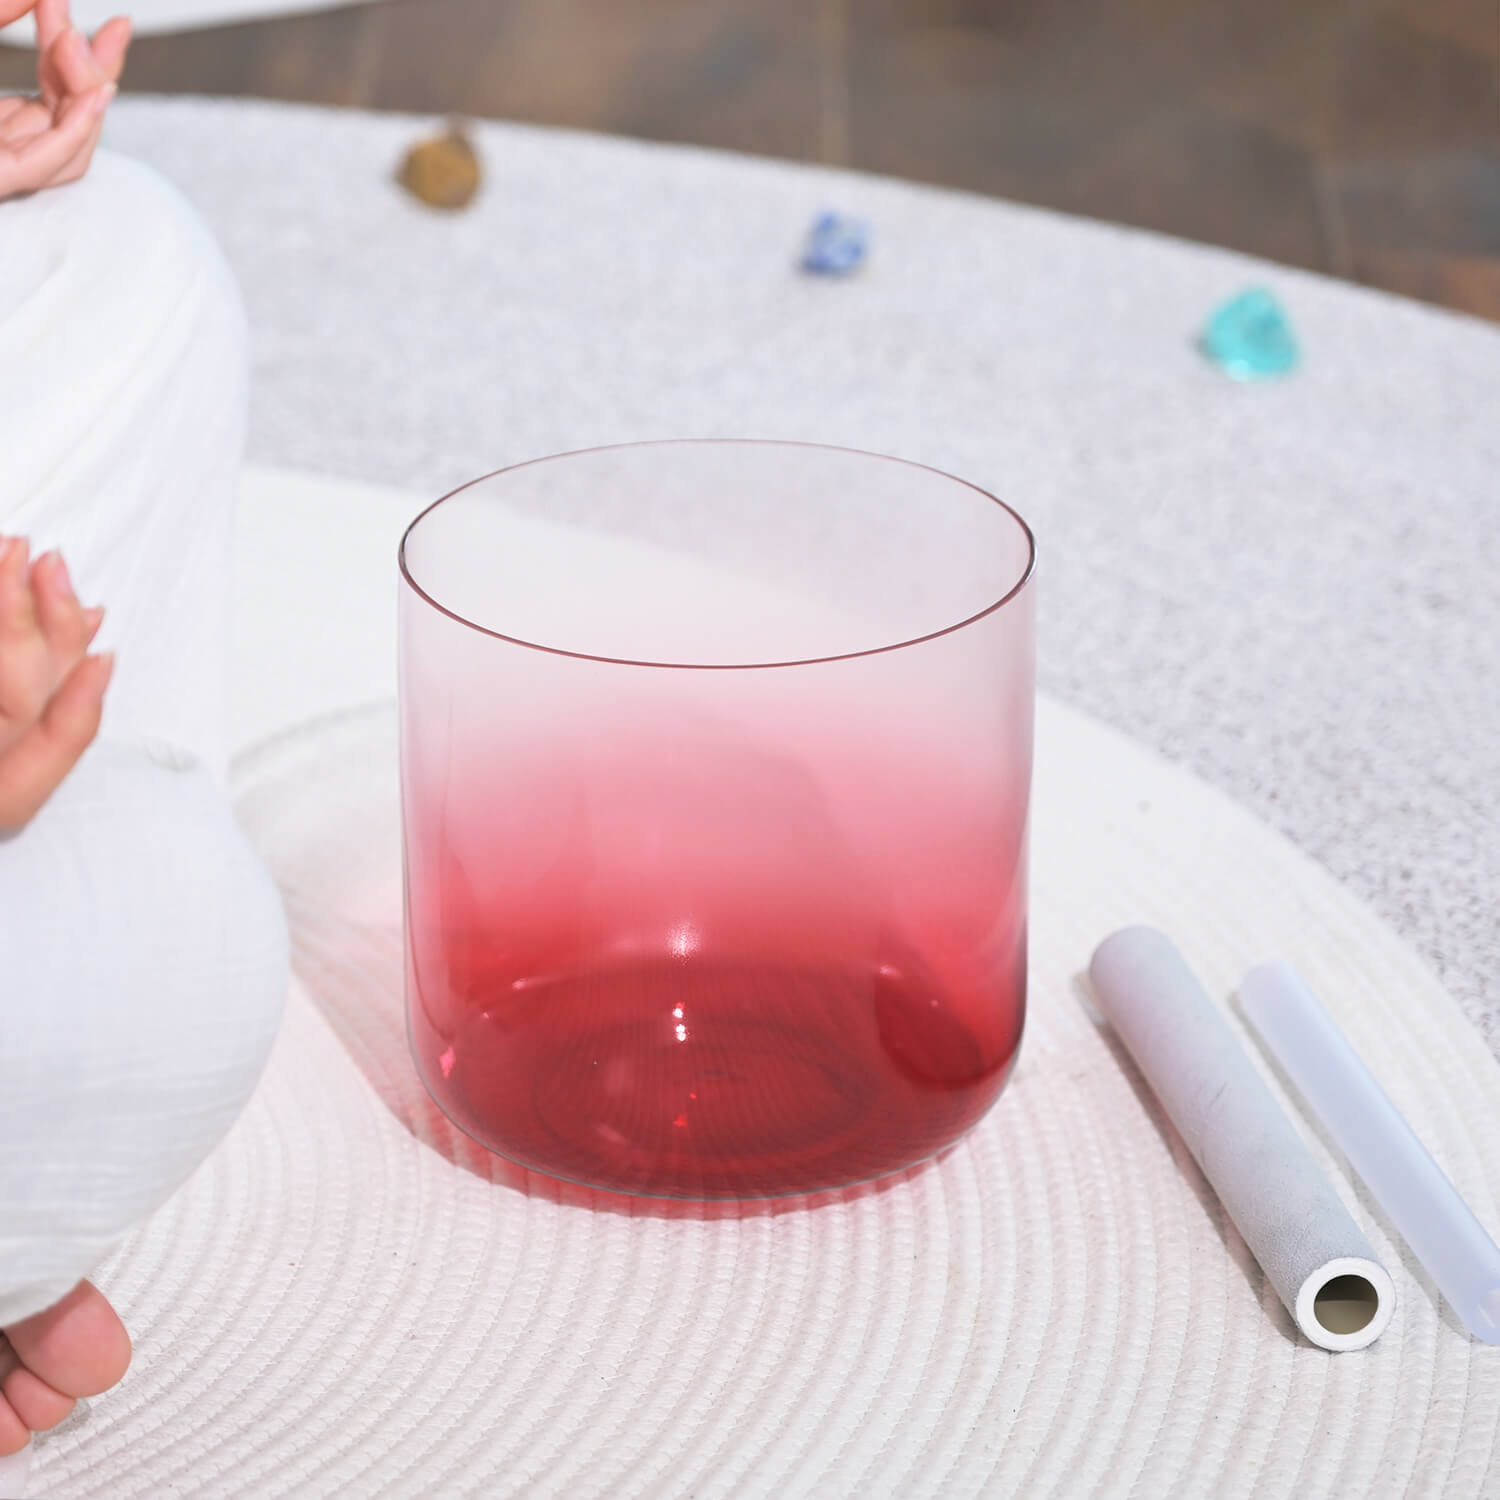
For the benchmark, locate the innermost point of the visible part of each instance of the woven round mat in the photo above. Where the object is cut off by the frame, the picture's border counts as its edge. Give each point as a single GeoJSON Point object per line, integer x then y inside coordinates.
{"type": "Point", "coordinates": [352, 1300]}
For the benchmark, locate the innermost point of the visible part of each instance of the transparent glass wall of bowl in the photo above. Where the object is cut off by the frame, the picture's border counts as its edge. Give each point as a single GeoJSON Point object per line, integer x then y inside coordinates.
{"type": "Point", "coordinates": [716, 760]}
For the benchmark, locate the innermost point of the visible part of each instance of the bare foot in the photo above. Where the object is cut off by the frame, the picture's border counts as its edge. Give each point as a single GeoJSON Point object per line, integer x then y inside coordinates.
{"type": "Point", "coordinates": [76, 1347]}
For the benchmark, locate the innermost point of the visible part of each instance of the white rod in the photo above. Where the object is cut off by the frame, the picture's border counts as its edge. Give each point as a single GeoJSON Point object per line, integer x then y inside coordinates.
{"type": "Point", "coordinates": [1311, 1250]}
{"type": "Point", "coordinates": [1422, 1203]}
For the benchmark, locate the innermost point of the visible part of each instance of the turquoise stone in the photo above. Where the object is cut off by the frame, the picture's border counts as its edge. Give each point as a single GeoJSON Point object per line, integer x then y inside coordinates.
{"type": "Point", "coordinates": [1249, 337]}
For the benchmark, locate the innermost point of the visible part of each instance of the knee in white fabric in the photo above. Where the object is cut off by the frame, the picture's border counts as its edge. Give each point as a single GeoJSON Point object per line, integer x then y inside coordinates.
{"type": "Point", "coordinates": [144, 970]}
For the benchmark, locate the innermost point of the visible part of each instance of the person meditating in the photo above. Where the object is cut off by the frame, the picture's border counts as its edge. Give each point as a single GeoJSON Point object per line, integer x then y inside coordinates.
{"type": "Point", "coordinates": [143, 950]}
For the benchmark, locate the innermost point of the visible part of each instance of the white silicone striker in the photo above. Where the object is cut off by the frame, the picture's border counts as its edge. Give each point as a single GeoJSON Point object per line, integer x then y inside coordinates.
{"type": "Point", "coordinates": [1296, 1226]}
{"type": "Point", "coordinates": [1408, 1184]}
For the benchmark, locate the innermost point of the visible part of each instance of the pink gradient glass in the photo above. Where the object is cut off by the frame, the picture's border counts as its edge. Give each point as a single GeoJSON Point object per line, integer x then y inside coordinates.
{"type": "Point", "coordinates": [715, 767]}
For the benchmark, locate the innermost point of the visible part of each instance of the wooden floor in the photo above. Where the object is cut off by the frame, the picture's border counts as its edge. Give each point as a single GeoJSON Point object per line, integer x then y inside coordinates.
{"type": "Point", "coordinates": [1357, 137]}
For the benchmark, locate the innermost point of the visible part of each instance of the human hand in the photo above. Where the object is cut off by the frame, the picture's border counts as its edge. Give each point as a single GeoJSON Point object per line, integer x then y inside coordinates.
{"type": "Point", "coordinates": [51, 690]}
{"type": "Point", "coordinates": [49, 138]}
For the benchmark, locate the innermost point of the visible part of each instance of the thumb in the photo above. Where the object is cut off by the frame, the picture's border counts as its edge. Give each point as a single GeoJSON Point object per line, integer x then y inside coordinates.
{"type": "Point", "coordinates": [33, 768]}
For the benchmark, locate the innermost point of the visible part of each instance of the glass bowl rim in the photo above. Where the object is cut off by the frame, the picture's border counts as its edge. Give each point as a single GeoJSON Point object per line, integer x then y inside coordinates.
{"type": "Point", "coordinates": [1026, 575]}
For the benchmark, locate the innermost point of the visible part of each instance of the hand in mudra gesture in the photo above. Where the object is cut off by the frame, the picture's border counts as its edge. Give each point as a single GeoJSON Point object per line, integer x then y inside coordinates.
{"type": "Point", "coordinates": [48, 138]}
{"type": "Point", "coordinates": [51, 689]}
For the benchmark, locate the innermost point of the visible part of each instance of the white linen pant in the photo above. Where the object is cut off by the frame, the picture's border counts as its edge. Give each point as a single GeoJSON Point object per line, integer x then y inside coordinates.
{"type": "Point", "coordinates": [143, 952]}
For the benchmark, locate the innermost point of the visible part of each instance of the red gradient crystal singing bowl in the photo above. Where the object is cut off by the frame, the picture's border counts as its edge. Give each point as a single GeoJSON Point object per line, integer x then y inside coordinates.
{"type": "Point", "coordinates": [715, 768]}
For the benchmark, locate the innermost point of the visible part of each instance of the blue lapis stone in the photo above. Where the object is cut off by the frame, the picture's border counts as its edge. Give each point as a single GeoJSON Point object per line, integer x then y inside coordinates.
{"type": "Point", "coordinates": [1250, 338]}
{"type": "Point", "coordinates": [836, 245]}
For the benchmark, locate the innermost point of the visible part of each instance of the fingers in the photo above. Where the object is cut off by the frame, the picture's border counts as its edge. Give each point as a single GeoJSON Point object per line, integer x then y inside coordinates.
{"type": "Point", "coordinates": [111, 43]}
{"type": "Point", "coordinates": [75, 62]}
{"type": "Point", "coordinates": [67, 68]}
{"type": "Point", "coordinates": [47, 142]}
{"type": "Point", "coordinates": [68, 64]}
{"type": "Point", "coordinates": [58, 612]}
{"type": "Point", "coordinates": [34, 164]}
{"type": "Point", "coordinates": [13, 10]}
{"type": "Point", "coordinates": [52, 20]}
{"type": "Point", "coordinates": [72, 170]}
{"type": "Point", "coordinates": [26, 676]}
{"type": "Point", "coordinates": [71, 67]}
{"type": "Point", "coordinates": [33, 768]}
{"type": "Point", "coordinates": [17, 608]}
{"type": "Point", "coordinates": [44, 633]}
{"type": "Point", "coordinates": [26, 117]}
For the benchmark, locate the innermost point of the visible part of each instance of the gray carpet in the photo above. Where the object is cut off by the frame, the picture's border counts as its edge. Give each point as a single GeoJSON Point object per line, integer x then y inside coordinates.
{"type": "Point", "coordinates": [1292, 587]}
